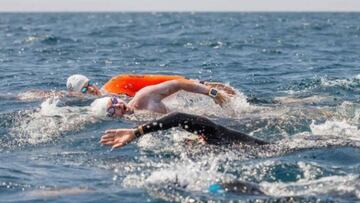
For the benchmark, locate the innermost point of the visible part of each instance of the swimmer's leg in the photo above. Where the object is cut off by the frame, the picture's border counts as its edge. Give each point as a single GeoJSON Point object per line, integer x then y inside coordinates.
{"type": "Point", "coordinates": [231, 135]}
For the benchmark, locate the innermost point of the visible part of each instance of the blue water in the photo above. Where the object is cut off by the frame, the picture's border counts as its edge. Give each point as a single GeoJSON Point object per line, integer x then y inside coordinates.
{"type": "Point", "coordinates": [298, 82]}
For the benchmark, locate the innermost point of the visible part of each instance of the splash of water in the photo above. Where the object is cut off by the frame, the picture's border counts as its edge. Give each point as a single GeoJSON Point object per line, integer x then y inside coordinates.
{"type": "Point", "coordinates": [49, 121]}
{"type": "Point", "coordinates": [335, 186]}
{"type": "Point", "coordinates": [338, 128]}
{"type": "Point", "coordinates": [344, 83]}
{"type": "Point", "coordinates": [203, 105]}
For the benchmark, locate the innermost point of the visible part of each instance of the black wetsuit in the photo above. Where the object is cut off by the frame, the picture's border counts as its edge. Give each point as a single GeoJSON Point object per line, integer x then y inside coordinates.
{"type": "Point", "coordinates": [212, 132]}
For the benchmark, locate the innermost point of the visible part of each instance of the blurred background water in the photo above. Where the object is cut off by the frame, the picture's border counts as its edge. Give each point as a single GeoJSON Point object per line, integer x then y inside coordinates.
{"type": "Point", "coordinates": [298, 82]}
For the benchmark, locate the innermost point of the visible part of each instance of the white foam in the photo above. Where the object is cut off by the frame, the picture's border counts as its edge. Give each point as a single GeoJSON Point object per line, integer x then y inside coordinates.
{"type": "Point", "coordinates": [164, 141]}
{"type": "Point", "coordinates": [194, 175]}
{"type": "Point", "coordinates": [349, 111]}
{"type": "Point", "coordinates": [148, 142]}
{"type": "Point", "coordinates": [310, 170]}
{"type": "Point", "coordinates": [49, 121]}
{"type": "Point", "coordinates": [34, 38]}
{"type": "Point", "coordinates": [301, 101]}
{"type": "Point", "coordinates": [204, 105]}
{"type": "Point", "coordinates": [32, 95]}
{"type": "Point", "coordinates": [347, 83]}
{"type": "Point", "coordinates": [338, 186]}
{"type": "Point", "coordinates": [338, 128]}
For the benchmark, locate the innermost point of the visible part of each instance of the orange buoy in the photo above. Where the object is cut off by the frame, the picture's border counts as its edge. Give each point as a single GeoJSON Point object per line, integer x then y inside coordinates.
{"type": "Point", "coordinates": [129, 84]}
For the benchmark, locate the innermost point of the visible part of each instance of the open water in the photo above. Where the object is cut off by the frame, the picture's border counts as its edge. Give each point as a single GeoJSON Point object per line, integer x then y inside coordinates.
{"type": "Point", "coordinates": [298, 82]}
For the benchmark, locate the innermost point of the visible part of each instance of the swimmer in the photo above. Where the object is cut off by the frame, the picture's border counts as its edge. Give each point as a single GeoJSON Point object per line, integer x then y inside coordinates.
{"type": "Point", "coordinates": [150, 98]}
{"type": "Point", "coordinates": [129, 84]}
{"type": "Point", "coordinates": [208, 131]}
{"type": "Point", "coordinates": [80, 84]}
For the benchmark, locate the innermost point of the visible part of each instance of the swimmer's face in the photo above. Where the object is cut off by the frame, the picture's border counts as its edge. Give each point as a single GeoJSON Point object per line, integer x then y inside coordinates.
{"type": "Point", "coordinates": [91, 88]}
{"type": "Point", "coordinates": [116, 107]}
{"type": "Point", "coordinates": [94, 90]}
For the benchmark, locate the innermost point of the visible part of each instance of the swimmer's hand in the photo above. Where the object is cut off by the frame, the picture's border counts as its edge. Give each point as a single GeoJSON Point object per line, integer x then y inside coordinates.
{"type": "Point", "coordinates": [118, 137]}
{"type": "Point", "coordinates": [221, 98]}
{"type": "Point", "coordinates": [220, 86]}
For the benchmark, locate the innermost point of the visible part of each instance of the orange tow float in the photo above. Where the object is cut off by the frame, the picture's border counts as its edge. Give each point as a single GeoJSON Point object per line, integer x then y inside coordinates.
{"type": "Point", "coordinates": [129, 84]}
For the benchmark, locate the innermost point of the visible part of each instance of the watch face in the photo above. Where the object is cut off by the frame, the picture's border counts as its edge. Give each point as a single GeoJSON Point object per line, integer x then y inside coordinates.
{"type": "Point", "coordinates": [213, 92]}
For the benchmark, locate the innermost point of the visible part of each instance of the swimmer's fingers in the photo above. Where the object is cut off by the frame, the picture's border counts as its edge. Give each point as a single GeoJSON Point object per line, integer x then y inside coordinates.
{"type": "Point", "coordinates": [112, 131]}
{"type": "Point", "coordinates": [221, 99]}
{"type": "Point", "coordinates": [105, 140]}
{"type": "Point", "coordinates": [107, 137]}
{"type": "Point", "coordinates": [110, 135]}
{"type": "Point", "coordinates": [117, 132]}
{"type": "Point", "coordinates": [119, 143]}
{"type": "Point", "coordinates": [110, 142]}
{"type": "Point", "coordinates": [218, 102]}
{"type": "Point", "coordinates": [122, 137]}
{"type": "Point", "coordinates": [229, 90]}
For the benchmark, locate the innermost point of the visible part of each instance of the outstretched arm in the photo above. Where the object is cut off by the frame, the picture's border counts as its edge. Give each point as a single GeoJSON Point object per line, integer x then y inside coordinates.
{"type": "Point", "coordinates": [168, 88]}
{"type": "Point", "coordinates": [211, 132]}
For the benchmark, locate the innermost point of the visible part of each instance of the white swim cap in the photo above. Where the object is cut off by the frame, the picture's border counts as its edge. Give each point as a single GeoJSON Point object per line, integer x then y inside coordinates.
{"type": "Point", "coordinates": [76, 82]}
{"type": "Point", "coordinates": [99, 106]}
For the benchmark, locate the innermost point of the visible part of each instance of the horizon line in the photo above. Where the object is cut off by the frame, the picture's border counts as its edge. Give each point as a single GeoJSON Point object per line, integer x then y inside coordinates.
{"type": "Point", "coordinates": [179, 11]}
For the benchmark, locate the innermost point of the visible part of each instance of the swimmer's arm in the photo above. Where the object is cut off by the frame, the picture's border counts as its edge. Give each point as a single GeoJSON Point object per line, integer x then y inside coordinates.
{"type": "Point", "coordinates": [209, 131]}
{"type": "Point", "coordinates": [168, 88]}
{"type": "Point", "coordinates": [192, 123]}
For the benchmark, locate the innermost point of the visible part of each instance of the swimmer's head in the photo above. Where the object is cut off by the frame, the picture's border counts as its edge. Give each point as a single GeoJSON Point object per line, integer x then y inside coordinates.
{"type": "Point", "coordinates": [82, 84]}
{"type": "Point", "coordinates": [110, 107]}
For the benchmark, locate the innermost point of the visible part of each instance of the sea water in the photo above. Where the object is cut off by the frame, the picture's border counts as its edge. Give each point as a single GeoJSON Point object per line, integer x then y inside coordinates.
{"type": "Point", "coordinates": [297, 77]}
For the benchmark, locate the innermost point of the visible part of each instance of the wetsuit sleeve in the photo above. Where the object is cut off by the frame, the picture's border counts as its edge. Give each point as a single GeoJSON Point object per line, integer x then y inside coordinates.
{"type": "Point", "coordinates": [212, 132]}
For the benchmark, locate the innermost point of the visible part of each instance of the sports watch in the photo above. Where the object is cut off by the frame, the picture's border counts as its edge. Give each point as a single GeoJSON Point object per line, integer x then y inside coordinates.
{"type": "Point", "coordinates": [213, 92]}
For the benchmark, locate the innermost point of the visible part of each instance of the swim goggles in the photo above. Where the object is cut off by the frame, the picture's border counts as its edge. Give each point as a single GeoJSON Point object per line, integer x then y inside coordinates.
{"type": "Point", "coordinates": [85, 88]}
{"type": "Point", "coordinates": [111, 110]}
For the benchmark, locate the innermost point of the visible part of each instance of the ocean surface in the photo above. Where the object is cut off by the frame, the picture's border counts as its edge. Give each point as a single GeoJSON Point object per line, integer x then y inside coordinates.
{"type": "Point", "coordinates": [298, 81]}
